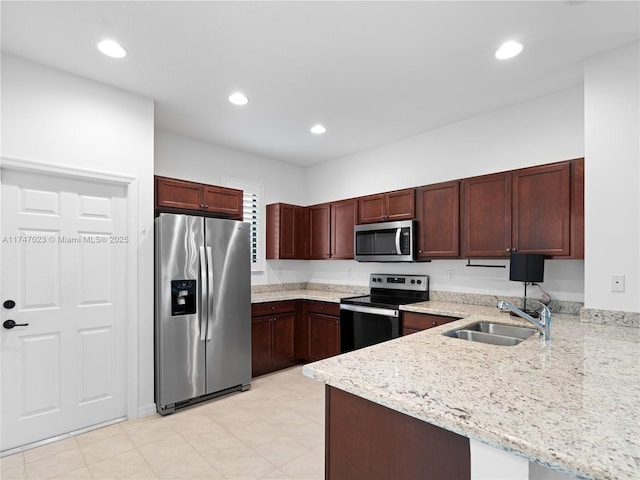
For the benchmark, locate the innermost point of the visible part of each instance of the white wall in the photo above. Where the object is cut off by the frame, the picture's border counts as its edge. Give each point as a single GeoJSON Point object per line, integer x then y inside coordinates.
{"type": "Point", "coordinates": [545, 130]}
{"type": "Point", "coordinates": [612, 179]}
{"type": "Point", "coordinates": [51, 117]}
{"type": "Point", "coordinates": [190, 159]}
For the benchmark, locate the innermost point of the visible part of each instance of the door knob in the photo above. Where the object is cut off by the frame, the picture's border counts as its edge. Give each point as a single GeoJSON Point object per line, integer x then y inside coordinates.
{"type": "Point", "coordinates": [9, 304]}
{"type": "Point", "coordinates": [9, 324]}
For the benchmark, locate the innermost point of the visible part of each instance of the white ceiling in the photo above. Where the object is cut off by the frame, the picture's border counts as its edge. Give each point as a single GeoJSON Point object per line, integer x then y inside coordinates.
{"type": "Point", "coordinates": [372, 72]}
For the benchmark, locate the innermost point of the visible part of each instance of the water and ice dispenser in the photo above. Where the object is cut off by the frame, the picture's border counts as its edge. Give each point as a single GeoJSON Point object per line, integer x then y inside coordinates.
{"type": "Point", "coordinates": [183, 297]}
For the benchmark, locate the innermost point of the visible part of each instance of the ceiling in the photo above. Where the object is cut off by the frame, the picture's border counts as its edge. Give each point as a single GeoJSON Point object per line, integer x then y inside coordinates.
{"type": "Point", "coordinates": [371, 72]}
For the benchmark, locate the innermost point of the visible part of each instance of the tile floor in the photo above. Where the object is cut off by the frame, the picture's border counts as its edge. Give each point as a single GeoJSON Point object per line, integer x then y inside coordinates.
{"type": "Point", "coordinates": [273, 431]}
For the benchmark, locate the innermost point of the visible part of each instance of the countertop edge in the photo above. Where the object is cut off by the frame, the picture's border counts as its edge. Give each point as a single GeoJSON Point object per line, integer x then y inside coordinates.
{"type": "Point", "coordinates": [454, 420]}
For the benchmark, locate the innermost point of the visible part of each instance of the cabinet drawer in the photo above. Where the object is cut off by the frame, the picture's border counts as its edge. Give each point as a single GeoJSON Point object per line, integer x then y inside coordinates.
{"type": "Point", "coordinates": [422, 321]}
{"type": "Point", "coordinates": [323, 307]}
{"type": "Point", "coordinates": [258, 309]}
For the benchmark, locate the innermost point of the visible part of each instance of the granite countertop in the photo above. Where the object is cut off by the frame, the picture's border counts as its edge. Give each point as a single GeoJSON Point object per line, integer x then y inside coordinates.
{"type": "Point", "coordinates": [301, 294]}
{"type": "Point", "coordinates": [571, 404]}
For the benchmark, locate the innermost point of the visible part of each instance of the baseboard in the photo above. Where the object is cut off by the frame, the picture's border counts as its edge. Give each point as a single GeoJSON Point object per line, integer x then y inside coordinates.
{"type": "Point", "coordinates": [147, 410]}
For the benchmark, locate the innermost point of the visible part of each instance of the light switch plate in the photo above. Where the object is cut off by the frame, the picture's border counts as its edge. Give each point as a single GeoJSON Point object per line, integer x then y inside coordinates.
{"type": "Point", "coordinates": [617, 283]}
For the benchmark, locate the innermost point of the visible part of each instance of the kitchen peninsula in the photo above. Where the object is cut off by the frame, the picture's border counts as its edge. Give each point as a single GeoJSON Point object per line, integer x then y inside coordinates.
{"type": "Point", "coordinates": [570, 404]}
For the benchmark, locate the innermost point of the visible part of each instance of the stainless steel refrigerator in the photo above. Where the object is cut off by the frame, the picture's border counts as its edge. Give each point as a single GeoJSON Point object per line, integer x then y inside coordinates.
{"type": "Point", "coordinates": [202, 309]}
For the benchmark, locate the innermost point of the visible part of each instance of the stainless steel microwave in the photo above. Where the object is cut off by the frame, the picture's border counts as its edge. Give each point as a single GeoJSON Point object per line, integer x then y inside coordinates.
{"type": "Point", "coordinates": [385, 242]}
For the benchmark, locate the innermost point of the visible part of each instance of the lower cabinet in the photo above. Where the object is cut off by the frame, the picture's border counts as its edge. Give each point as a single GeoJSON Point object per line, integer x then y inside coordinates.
{"type": "Point", "coordinates": [366, 440]}
{"type": "Point", "coordinates": [288, 332]}
{"type": "Point", "coordinates": [322, 325]}
{"type": "Point", "coordinates": [415, 322]}
{"type": "Point", "coordinates": [273, 340]}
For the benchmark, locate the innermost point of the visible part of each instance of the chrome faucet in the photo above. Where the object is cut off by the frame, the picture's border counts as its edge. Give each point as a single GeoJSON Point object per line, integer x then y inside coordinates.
{"type": "Point", "coordinates": [543, 326]}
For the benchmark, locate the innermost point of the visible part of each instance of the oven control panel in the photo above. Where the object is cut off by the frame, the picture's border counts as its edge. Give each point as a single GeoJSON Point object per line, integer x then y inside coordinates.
{"type": "Point", "coordinates": [418, 283]}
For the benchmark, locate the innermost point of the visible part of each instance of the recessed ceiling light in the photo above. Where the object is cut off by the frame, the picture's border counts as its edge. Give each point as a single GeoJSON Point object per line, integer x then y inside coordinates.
{"type": "Point", "coordinates": [238, 98]}
{"type": "Point", "coordinates": [508, 50]}
{"type": "Point", "coordinates": [112, 48]}
{"type": "Point", "coordinates": [318, 129]}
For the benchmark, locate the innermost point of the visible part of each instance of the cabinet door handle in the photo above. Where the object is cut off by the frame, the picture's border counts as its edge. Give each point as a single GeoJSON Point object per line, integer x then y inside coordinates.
{"type": "Point", "coordinates": [434, 324]}
{"type": "Point", "coordinates": [514, 249]}
{"type": "Point", "coordinates": [508, 250]}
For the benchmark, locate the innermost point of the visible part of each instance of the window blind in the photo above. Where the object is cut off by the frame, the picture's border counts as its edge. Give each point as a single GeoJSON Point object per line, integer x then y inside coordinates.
{"type": "Point", "coordinates": [252, 212]}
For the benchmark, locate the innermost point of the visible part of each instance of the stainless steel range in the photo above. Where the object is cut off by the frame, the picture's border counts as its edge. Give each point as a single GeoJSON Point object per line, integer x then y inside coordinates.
{"type": "Point", "coordinates": [376, 317]}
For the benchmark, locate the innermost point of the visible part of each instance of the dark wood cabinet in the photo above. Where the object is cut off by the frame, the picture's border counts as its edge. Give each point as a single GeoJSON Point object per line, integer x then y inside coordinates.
{"type": "Point", "coordinates": [371, 209]}
{"type": "Point", "coordinates": [181, 196]}
{"type": "Point", "coordinates": [541, 209]}
{"type": "Point", "coordinates": [390, 206]}
{"type": "Point", "coordinates": [331, 230]}
{"type": "Point", "coordinates": [486, 208]}
{"type": "Point", "coordinates": [367, 440]}
{"type": "Point", "coordinates": [322, 328]}
{"type": "Point", "coordinates": [272, 336]}
{"type": "Point", "coordinates": [577, 208]}
{"type": "Point", "coordinates": [531, 210]}
{"type": "Point", "coordinates": [415, 322]}
{"type": "Point", "coordinates": [222, 200]}
{"type": "Point", "coordinates": [261, 333]}
{"type": "Point", "coordinates": [319, 231]}
{"type": "Point", "coordinates": [287, 227]}
{"type": "Point", "coordinates": [438, 215]}
{"type": "Point", "coordinates": [175, 193]}
{"type": "Point", "coordinates": [343, 219]}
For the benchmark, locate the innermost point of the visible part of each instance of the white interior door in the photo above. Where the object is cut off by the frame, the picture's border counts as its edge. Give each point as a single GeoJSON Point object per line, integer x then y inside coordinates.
{"type": "Point", "coordinates": [64, 251]}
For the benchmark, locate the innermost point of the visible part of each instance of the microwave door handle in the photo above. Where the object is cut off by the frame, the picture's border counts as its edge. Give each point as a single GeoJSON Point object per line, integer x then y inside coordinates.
{"type": "Point", "coordinates": [398, 232]}
{"type": "Point", "coordinates": [210, 296]}
{"type": "Point", "coordinates": [203, 294]}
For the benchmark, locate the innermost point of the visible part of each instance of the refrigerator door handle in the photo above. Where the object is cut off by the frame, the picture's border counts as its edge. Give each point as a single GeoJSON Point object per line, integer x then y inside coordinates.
{"type": "Point", "coordinates": [203, 294]}
{"type": "Point", "coordinates": [210, 295]}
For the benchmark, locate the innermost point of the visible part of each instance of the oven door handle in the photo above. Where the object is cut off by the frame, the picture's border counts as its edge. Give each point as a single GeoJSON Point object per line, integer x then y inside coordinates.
{"type": "Point", "coordinates": [387, 312]}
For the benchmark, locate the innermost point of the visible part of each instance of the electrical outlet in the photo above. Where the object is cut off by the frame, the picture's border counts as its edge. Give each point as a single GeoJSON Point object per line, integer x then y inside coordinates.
{"type": "Point", "coordinates": [451, 276]}
{"type": "Point", "coordinates": [617, 283]}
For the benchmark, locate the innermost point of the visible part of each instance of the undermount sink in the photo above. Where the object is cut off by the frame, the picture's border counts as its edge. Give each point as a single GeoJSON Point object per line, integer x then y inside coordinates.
{"type": "Point", "coordinates": [492, 333]}
{"type": "Point", "coordinates": [501, 329]}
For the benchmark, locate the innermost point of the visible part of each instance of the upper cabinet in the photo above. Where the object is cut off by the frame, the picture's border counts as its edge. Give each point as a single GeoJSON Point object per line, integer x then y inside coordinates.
{"type": "Point", "coordinates": [438, 215]}
{"type": "Point", "coordinates": [486, 221]}
{"type": "Point", "coordinates": [387, 207]}
{"type": "Point", "coordinates": [541, 209]}
{"type": "Point", "coordinates": [287, 227]}
{"type": "Point", "coordinates": [319, 231]}
{"type": "Point", "coordinates": [181, 196]}
{"type": "Point", "coordinates": [343, 219]}
{"type": "Point", "coordinates": [331, 230]}
{"type": "Point", "coordinates": [532, 210]}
